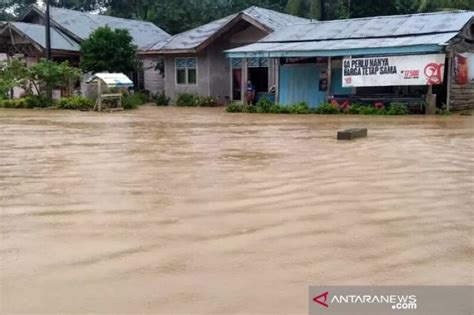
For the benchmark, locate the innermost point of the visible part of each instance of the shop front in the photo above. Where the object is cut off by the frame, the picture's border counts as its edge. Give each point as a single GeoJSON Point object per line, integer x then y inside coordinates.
{"type": "Point", "coordinates": [419, 60]}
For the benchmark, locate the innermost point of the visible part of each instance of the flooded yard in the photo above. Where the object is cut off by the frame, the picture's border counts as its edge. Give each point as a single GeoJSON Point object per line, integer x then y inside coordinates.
{"type": "Point", "coordinates": [175, 210]}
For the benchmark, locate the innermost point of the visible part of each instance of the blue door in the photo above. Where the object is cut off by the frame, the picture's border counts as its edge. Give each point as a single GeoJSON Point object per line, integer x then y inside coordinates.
{"type": "Point", "coordinates": [300, 83]}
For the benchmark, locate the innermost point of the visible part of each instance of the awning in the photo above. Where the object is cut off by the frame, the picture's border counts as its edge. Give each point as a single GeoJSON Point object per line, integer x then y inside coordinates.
{"type": "Point", "coordinates": [112, 79]}
{"type": "Point", "coordinates": [345, 47]}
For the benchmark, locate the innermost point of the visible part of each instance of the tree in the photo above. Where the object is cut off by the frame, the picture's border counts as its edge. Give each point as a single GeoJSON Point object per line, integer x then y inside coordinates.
{"type": "Point", "coordinates": [296, 7]}
{"type": "Point", "coordinates": [16, 7]}
{"type": "Point", "coordinates": [13, 73]}
{"type": "Point", "coordinates": [315, 9]}
{"type": "Point", "coordinates": [439, 5]}
{"type": "Point", "coordinates": [55, 75]}
{"type": "Point", "coordinates": [108, 50]}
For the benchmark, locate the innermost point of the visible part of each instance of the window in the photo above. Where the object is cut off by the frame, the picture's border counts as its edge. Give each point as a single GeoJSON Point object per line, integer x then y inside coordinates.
{"type": "Point", "coordinates": [186, 71]}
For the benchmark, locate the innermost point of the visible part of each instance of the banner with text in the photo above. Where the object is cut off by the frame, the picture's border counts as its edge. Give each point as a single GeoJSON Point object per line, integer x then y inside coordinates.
{"type": "Point", "coordinates": [392, 71]}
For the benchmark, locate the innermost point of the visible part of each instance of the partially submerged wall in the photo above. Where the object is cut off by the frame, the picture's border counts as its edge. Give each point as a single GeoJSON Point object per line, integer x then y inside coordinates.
{"type": "Point", "coordinates": [153, 79]}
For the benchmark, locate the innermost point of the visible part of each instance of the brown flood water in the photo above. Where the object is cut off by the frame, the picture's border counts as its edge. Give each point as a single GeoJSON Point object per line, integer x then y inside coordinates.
{"type": "Point", "coordinates": [174, 210]}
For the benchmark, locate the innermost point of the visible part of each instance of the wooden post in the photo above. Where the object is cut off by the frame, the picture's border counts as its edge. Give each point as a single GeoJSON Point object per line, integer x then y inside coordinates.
{"type": "Point", "coordinates": [244, 80]}
{"type": "Point", "coordinates": [99, 95]}
{"type": "Point", "coordinates": [430, 101]}
{"type": "Point", "coordinates": [329, 87]}
{"type": "Point", "coordinates": [277, 79]}
{"type": "Point", "coordinates": [448, 84]}
{"type": "Point", "coordinates": [231, 81]}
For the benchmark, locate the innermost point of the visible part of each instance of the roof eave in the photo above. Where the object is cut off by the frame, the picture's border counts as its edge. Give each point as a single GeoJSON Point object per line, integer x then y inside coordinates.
{"type": "Point", "coordinates": [427, 48]}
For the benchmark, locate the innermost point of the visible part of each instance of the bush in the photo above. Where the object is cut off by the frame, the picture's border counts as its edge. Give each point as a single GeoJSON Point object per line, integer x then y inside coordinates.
{"type": "Point", "coordinates": [263, 105]}
{"type": "Point", "coordinates": [300, 108]}
{"type": "Point", "coordinates": [327, 109]}
{"type": "Point", "coordinates": [205, 101]}
{"type": "Point", "coordinates": [161, 99]}
{"type": "Point", "coordinates": [37, 101]}
{"type": "Point", "coordinates": [355, 108]}
{"type": "Point", "coordinates": [235, 107]}
{"type": "Point", "coordinates": [26, 102]}
{"type": "Point", "coordinates": [132, 101]}
{"type": "Point", "coordinates": [397, 109]}
{"type": "Point", "coordinates": [76, 103]}
{"type": "Point", "coordinates": [191, 100]}
{"type": "Point", "coordinates": [369, 110]}
{"type": "Point", "coordinates": [186, 99]}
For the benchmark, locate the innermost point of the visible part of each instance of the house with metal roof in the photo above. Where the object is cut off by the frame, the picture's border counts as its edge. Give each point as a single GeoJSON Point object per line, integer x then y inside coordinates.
{"type": "Point", "coordinates": [194, 61]}
{"type": "Point", "coordinates": [69, 28]}
{"type": "Point", "coordinates": [377, 59]}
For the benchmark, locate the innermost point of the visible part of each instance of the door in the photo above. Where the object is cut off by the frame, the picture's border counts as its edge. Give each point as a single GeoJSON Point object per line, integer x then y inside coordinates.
{"type": "Point", "coordinates": [300, 83]}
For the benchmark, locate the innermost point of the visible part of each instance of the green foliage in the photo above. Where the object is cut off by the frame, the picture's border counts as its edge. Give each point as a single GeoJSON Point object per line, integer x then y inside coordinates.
{"type": "Point", "coordinates": [37, 77]}
{"type": "Point", "coordinates": [296, 7]}
{"type": "Point", "coordinates": [108, 50]}
{"type": "Point", "coordinates": [315, 9]}
{"type": "Point", "coordinates": [264, 105]}
{"type": "Point", "coordinates": [191, 100]}
{"type": "Point", "coordinates": [186, 99]}
{"type": "Point", "coordinates": [76, 103]}
{"type": "Point", "coordinates": [25, 102]}
{"type": "Point", "coordinates": [206, 101]}
{"type": "Point", "coordinates": [49, 73]}
{"type": "Point", "coordinates": [327, 109]}
{"type": "Point", "coordinates": [355, 109]}
{"type": "Point", "coordinates": [132, 101]}
{"type": "Point", "coordinates": [299, 108]}
{"type": "Point", "coordinates": [370, 110]}
{"type": "Point", "coordinates": [13, 73]}
{"type": "Point", "coordinates": [440, 5]}
{"type": "Point", "coordinates": [235, 107]}
{"type": "Point", "coordinates": [161, 99]}
{"type": "Point", "coordinates": [397, 109]}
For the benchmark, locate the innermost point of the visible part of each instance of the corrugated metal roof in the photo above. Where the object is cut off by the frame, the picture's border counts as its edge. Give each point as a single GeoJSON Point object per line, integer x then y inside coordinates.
{"type": "Point", "coordinates": [193, 38]}
{"type": "Point", "coordinates": [82, 24]}
{"type": "Point", "coordinates": [355, 36]}
{"type": "Point", "coordinates": [339, 47]}
{"type": "Point", "coordinates": [382, 26]}
{"type": "Point", "coordinates": [37, 33]}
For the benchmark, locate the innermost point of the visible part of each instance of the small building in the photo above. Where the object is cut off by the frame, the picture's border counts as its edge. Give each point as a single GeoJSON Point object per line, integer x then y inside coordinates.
{"type": "Point", "coordinates": [194, 61]}
{"type": "Point", "coordinates": [379, 59]}
{"type": "Point", "coordinates": [26, 38]}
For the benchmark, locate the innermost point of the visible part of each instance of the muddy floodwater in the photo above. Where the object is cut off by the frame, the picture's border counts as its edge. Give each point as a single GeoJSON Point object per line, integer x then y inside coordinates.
{"type": "Point", "coordinates": [196, 211]}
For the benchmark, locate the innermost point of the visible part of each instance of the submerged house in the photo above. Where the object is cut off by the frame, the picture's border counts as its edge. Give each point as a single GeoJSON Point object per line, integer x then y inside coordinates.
{"type": "Point", "coordinates": [194, 61]}
{"type": "Point", "coordinates": [26, 37]}
{"type": "Point", "coordinates": [379, 59]}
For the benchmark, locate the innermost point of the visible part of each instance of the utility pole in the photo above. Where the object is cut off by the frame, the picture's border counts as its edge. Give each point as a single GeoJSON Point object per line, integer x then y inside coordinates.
{"type": "Point", "coordinates": [48, 31]}
{"type": "Point", "coordinates": [49, 88]}
{"type": "Point", "coordinates": [323, 10]}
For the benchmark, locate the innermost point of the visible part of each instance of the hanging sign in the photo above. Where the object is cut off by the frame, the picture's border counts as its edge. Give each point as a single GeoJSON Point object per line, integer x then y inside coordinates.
{"type": "Point", "coordinates": [393, 70]}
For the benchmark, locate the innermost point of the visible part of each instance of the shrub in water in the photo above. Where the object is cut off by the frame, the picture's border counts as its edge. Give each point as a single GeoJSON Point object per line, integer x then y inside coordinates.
{"type": "Point", "coordinates": [397, 109]}
{"type": "Point", "coordinates": [161, 99]}
{"type": "Point", "coordinates": [235, 107]}
{"type": "Point", "coordinates": [206, 101]}
{"type": "Point", "coordinates": [132, 101]}
{"type": "Point", "coordinates": [369, 110]}
{"type": "Point", "coordinates": [300, 108]}
{"type": "Point", "coordinates": [186, 99]}
{"type": "Point", "coordinates": [26, 102]}
{"type": "Point", "coordinates": [263, 105]}
{"type": "Point", "coordinates": [327, 109]}
{"type": "Point", "coordinates": [76, 103]}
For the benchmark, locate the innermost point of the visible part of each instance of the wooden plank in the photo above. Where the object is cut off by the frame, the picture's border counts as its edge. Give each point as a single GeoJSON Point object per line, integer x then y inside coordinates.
{"type": "Point", "coordinates": [448, 88]}
{"type": "Point", "coordinates": [350, 134]}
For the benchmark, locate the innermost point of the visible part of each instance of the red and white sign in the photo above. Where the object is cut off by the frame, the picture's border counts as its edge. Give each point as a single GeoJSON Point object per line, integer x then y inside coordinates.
{"type": "Point", "coordinates": [393, 71]}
